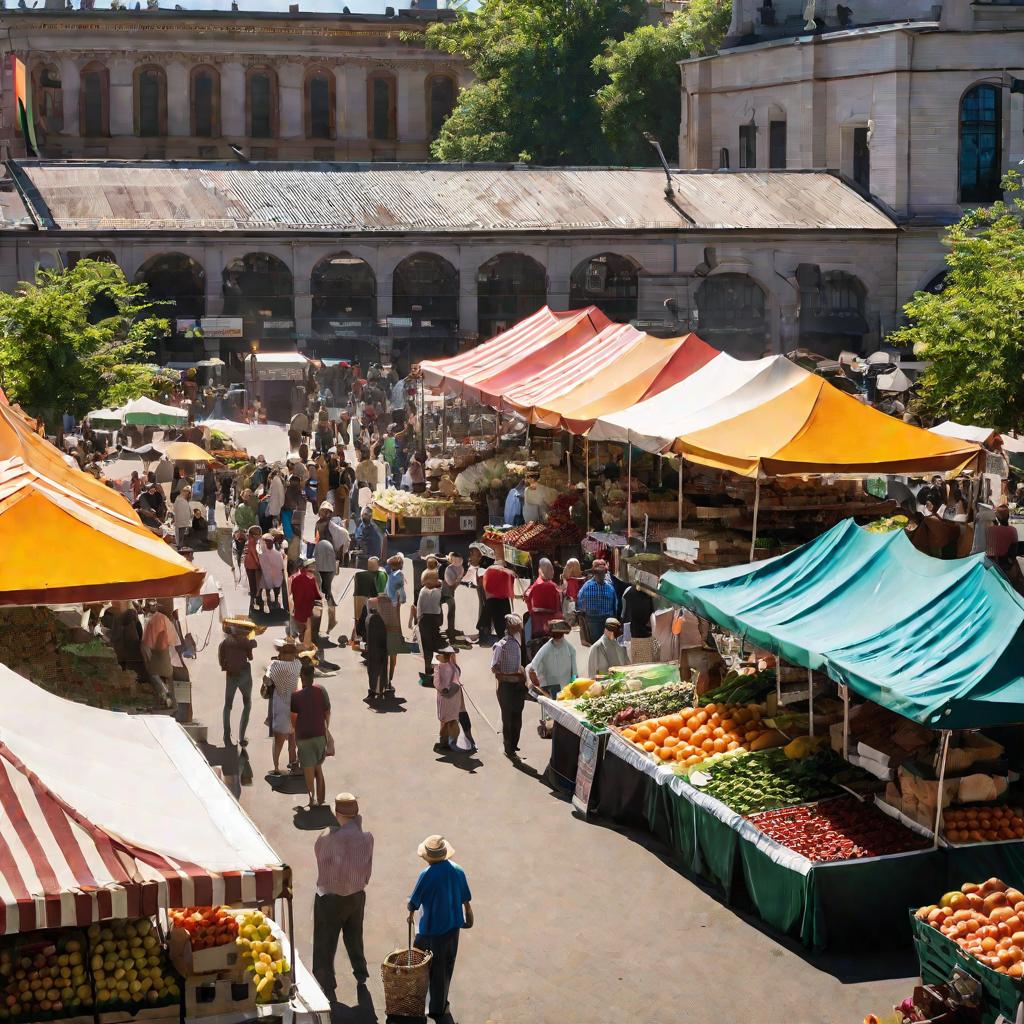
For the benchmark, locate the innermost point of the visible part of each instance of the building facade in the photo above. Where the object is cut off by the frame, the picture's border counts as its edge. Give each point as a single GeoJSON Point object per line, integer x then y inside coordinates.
{"type": "Point", "coordinates": [344, 261]}
{"type": "Point", "coordinates": [163, 84]}
{"type": "Point", "coordinates": [910, 102]}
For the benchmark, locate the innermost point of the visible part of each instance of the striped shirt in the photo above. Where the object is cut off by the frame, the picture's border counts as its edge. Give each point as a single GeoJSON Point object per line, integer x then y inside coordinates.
{"type": "Point", "coordinates": [344, 859]}
{"type": "Point", "coordinates": [507, 655]}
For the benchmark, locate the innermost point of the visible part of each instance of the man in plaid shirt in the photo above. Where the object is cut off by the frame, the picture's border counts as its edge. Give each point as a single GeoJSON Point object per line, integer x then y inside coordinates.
{"type": "Point", "coordinates": [507, 666]}
{"type": "Point", "coordinates": [597, 600]}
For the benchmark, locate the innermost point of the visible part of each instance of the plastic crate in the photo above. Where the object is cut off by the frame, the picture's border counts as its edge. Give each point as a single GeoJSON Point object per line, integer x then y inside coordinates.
{"type": "Point", "coordinates": [940, 956]}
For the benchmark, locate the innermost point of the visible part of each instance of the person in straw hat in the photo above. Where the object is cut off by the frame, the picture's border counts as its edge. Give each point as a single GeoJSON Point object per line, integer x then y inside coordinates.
{"type": "Point", "coordinates": [283, 678]}
{"type": "Point", "coordinates": [442, 893]}
{"type": "Point", "coordinates": [344, 862]}
{"type": "Point", "coordinates": [235, 657]}
{"type": "Point", "coordinates": [553, 667]}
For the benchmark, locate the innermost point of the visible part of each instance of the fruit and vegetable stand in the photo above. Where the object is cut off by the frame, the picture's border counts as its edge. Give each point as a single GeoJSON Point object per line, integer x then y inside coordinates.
{"type": "Point", "coordinates": [132, 867]}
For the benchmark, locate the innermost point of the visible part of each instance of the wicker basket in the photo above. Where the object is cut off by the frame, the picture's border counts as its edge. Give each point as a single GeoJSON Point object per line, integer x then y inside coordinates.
{"type": "Point", "coordinates": [406, 975]}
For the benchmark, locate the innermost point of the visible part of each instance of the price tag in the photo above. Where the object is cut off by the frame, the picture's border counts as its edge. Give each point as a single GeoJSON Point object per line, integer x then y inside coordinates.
{"type": "Point", "coordinates": [467, 523]}
{"type": "Point", "coordinates": [432, 524]}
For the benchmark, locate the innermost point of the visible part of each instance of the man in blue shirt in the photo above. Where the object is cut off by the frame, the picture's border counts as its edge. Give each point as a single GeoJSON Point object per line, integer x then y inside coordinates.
{"type": "Point", "coordinates": [368, 541]}
{"type": "Point", "coordinates": [514, 505]}
{"type": "Point", "coordinates": [443, 893]}
{"type": "Point", "coordinates": [597, 600]}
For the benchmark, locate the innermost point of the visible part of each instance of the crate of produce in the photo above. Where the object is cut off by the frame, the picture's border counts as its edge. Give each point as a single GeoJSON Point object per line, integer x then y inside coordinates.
{"type": "Point", "coordinates": [516, 557]}
{"type": "Point", "coordinates": [940, 958]}
{"type": "Point", "coordinates": [202, 940]}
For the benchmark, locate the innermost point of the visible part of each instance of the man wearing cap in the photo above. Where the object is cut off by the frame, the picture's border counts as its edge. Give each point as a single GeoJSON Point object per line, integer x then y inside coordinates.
{"type": "Point", "coordinates": [607, 652]}
{"type": "Point", "coordinates": [235, 656]}
{"type": "Point", "coordinates": [507, 666]}
{"type": "Point", "coordinates": [597, 600]}
{"type": "Point", "coordinates": [304, 589]}
{"type": "Point", "coordinates": [553, 667]}
{"type": "Point", "coordinates": [443, 894]}
{"type": "Point", "coordinates": [368, 541]}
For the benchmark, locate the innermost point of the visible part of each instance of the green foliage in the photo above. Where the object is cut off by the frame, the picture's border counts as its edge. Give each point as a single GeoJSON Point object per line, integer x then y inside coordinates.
{"type": "Point", "coordinates": [642, 93]}
{"type": "Point", "coordinates": [972, 332]}
{"type": "Point", "coordinates": [534, 98]}
{"type": "Point", "coordinates": [75, 340]}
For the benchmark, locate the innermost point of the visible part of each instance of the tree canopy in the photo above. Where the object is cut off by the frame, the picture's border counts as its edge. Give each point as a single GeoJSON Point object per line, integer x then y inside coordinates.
{"type": "Point", "coordinates": [571, 82]}
{"type": "Point", "coordinates": [972, 331]}
{"type": "Point", "coordinates": [642, 91]}
{"type": "Point", "coordinates": [74, 340]}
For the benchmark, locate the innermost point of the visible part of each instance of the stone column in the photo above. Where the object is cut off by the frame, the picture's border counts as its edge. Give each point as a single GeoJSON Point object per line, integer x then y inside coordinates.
{"type": "Point", "coordinates": [179, 99]}
{"type": "Point", "coordinates": [122, 117]}
{"type": "Point", "coordinates": [412, 106]}
{"type": "Point", "coordinates": [1015, 137]}
{"type": "Point", "coordinates": [355, 101]}
{"type": "Point", "coordinates": [232, 101]}
{"type": "Point", "coordinates": [341, 114]}
{"type": "Point", "coordinates": [70, 83]}
{"type": "Point", "coordinates": [559, 263]}
{"type": "Point", "coordinates": [290, 79]}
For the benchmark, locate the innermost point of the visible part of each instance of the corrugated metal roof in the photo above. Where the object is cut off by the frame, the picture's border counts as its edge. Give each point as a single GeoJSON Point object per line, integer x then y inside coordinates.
{"type": "Point", "coordinates": [430, 198]}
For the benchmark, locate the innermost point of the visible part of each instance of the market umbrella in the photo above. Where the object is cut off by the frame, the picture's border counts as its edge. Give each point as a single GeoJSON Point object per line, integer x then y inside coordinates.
{"type": "Point", "coordinates": [186, 451]}
{"type": "Point", "coordinates": [147, 413]}
{"type": "Point", "coordinates": [104, 554]}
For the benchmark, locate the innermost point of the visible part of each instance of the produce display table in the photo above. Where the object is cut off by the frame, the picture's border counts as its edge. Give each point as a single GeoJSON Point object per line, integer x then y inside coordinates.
{"type": "Point", "coordinates": [565, 741]}
{"type": "Point", "coordinates": [852, 904]}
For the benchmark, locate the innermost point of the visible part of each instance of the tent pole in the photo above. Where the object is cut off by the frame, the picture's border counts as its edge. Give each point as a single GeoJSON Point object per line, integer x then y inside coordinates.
{"type": "Point", "coordinates": [444, 422]}
{"type": "Point", "coordinates": [568, 469]}
{"type": "Point", "coordinates": [586, 471]}
{"type": "Point", "coordinates": [942, 779]}
{"type": "Point", "coordinates": [845, 693]}
{"type": "Point", "coordinates": [629, 489]}
{"type": "Point", "coordinates": [423, 418]}
{"type": "Point", "coordinates": [810, 699]}
{"type": "Point", "coordinates": [679, 495]}
{"type": "Point", "coordinates": [757, 504]}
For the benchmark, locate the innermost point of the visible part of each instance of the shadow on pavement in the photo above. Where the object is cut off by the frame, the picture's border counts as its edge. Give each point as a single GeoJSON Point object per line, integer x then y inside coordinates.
{"type": "Point", "coordinates": [386, 705]}
{"type": "Point", "coordinates": [289, 784]}
{"type": "Point", "coordinates": [460, 759]}
{"type": "Point", "coordinates": [312, 819]}
{"type": "Point", "coordinates": [363, 1012]}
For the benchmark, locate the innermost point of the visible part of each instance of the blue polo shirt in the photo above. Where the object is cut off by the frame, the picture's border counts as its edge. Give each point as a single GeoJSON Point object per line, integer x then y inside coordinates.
{"type": "Point", "coordinates": [440, 890]}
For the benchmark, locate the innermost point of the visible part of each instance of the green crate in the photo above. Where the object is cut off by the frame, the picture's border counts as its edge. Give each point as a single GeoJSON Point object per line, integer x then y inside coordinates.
{"type": "Point", "coordinates": [938, 956]}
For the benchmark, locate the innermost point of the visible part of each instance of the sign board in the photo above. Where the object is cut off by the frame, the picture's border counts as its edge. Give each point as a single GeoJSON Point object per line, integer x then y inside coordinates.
{"type": "Point", "coordinates": [467, 523]}
{"type": "Point", "coordinates": [184, 325]}
{"type": "Point", "coordinates": [591, 751]}
{"type": "Point", "coordinates": [642, 578]}
{"type": "Point", "coordinates": [432, 524]}
{"type": "Point", "coordinates": [278, 325]}
{"type": "Point", "coordinates": [399, 321]}
{"type": "Point", "coordinates": [682, 547]}
{"type": "Point", "coordinates": [222, 326]}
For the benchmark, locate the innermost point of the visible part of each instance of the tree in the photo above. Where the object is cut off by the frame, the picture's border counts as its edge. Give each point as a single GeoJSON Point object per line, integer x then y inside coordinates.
{"type": "Point", "coordinates": [534, 97]}
{"type": "Point", "coordinates": [643, 90]}
{"type": "Point", "coordinates": [75, 340]}
{"type": "Point", "coordinates": [972, 332]}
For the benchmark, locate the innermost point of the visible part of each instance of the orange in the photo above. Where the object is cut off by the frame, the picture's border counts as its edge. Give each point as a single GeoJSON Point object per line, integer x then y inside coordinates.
{"type": "Point", "coordinates": [728, 724]}
{"type": "Point", "coordinates": [732, 745]}
{"type": "Point", "coordinates": [717, 733]}
{"type": "Point", "coordinates": [650, 746]}
{"type": "Point", "coordinates": [642, 733]}
{"type": "Point", "coordinates": [719, 745]}
{"type": "Point", "coordinates": [666, 754]}
{"type": "Point", "coordinates": [701, 716]}
{"type": "Point", "coordinates": [708, 745]}
{"type": "Point", "coordinates": [674, 722]}
{"type": "Point", "coordinates": [680, 754]}
{"type": "Point", "coordinates": [629, 734]}
{"type": "Point", "coordinates": [710, 708]}
{"type": "Point", "coordinates": [670, 741]}
{"type": "Point", "coordinates": [685, 734]}
{"type": "Point", "coordinates": [659, 734]}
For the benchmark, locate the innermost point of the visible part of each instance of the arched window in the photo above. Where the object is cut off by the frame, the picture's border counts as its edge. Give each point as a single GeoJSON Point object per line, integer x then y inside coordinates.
{"type": "Point", "coordinates": [205, 102]}
{"type": "Point", "coordinates": [832, 311]}
{"type": "Point", "coordinates": [509, 287]}
{"type": "Point", "coordinates": [441, 91]}
{"type": "Point", "coordinates": [261, 102]}
{"type": "Point", "coordinates": [177, 283]}
{"type": "Point", "coordinates": [94, 101]}
{"type": "Point", "coordinates": [150, 101]}
{"type": "Point", "coordinates": [258, 287]}
{"type": "Point", "coordinates": [49, 108]}
{"type": "Point", "coordinates": [608, 281]}
{"type": "Point", "coordinates": [731, 315]}
{"type": "Point", "coordinates": [380, 100]}
{"type": "Point", "coordinates": [842, 294]}
{"type": "Point", "coordinates": [937, 284]}
{"type": "Point", "coordinates": [100, 256]}
{"type": "Point", "coordinates": [344, 291]}
{"type": "Point", "coordinates": [319, 104]}
{"type": "Point", "coordinates": [426, 287]}
{"type": "Point", "coordinates": [981, 116]}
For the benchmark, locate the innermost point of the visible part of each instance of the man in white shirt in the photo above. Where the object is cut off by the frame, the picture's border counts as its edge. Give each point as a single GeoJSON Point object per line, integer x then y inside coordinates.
{"type": "Point", "coordinates": [341, 537]}
{"type": "Point", "coordinates": [553, 666]}
{"type": "Point", "coordinates": [607, 652]}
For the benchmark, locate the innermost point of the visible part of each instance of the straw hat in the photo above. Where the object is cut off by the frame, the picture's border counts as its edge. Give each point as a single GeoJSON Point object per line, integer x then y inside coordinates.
{"type": "Point", "coordinates": [346, 805]}
{"type": "Point", "coordinates": [559, 627]}
{"type": "Point", "coordinates": [435, 849]}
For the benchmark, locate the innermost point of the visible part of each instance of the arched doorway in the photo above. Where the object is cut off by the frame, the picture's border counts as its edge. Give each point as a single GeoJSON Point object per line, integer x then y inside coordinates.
{"type": "Point", "coordinates": [258, 288]}
{"type": "Point", "coordinates": [344, 292]}
{"type": "Point", "coordinates": [509, 287]}
{"type": "Point", "coordinates": [424, 292]}
{"type": "Point", "coordinates": [608, 281]}
{"type": "Point", "coordinates": [832, 311]}
{"type": "Point", "coordinates": [177, 283]}
{"type": "Point", "coordinates": [731, 315]}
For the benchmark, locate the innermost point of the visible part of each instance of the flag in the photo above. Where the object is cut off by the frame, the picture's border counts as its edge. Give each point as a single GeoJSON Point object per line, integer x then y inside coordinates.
{"type": "Point", "coordinates": [23, 101]}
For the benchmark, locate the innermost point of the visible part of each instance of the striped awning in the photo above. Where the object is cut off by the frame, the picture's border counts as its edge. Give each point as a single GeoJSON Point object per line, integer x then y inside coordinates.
{"type": "Point", "coordinates": [59, 865]}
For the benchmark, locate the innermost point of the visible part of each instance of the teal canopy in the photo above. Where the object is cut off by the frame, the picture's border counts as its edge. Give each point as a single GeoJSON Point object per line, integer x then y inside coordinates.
{"type": "Point", "coordinates": [937, 641]}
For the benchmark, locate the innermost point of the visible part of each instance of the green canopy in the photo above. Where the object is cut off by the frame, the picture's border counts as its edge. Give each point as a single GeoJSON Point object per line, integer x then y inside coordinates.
{"type": "Point", "coordinates": [937, 641]}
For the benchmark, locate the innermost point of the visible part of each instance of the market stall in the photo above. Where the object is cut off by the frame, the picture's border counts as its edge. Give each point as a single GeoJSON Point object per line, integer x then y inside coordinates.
{"type": "Point", "coordinates": [145, 412]}
{"type": "Point", "coordinates": [111, 821]}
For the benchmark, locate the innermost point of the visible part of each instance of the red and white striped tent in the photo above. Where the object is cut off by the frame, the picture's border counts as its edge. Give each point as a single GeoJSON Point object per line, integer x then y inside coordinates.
{"type": "Point", "coordinates": [108, 815]}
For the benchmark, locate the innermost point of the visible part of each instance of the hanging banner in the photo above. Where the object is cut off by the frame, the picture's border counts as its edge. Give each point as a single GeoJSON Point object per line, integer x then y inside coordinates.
{"type": "Point", "coordinates": [23, 104]}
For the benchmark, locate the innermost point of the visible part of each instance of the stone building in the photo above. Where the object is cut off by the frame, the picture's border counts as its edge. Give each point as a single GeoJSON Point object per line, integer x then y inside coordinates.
{"type": "Point", "coordinates": [170, 84]}
{"type": "Point", "coordinates": [355, 260]}
{"type": "Point", "coordinates": [910, 101]}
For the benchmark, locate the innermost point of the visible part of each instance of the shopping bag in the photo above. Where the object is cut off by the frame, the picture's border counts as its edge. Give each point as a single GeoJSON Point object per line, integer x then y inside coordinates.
{"type": "Point", "coordinates": [329, 752]}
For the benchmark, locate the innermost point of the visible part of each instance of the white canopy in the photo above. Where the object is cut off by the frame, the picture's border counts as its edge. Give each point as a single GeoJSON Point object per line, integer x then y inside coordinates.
{"type": "Point", "coordinates": [963, 431]}
{"type": "Point", "coordinates": [146, 411]}
{"type": "Point", "coordinates": [719, 390]}
{"type": "Point", "coordinates": [85, 781]}
{"type": "Point", "coordinates": [105, 416]}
